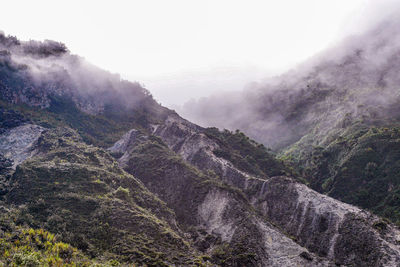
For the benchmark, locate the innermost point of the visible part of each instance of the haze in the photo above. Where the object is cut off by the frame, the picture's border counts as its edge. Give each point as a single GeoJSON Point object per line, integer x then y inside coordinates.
{"type": "Point", "coordinates": [183, 49]}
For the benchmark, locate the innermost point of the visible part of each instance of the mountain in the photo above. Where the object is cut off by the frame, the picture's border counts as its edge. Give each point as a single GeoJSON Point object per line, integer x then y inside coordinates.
{"type": "Point", "coordinates": [94, 171]}
{"type": "Point", "coordinates": [336, 118]}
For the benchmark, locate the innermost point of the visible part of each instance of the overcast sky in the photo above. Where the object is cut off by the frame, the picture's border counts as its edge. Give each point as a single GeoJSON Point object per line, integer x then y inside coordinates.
{"type": "Point", "coordinates": [182, 49]}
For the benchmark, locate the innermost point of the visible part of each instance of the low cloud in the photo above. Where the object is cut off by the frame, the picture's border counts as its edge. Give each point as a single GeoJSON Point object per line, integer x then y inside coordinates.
{"type": "Point", "coordinates": [356, 80]}
{"type": "Point", "coordinates": [55, 71]}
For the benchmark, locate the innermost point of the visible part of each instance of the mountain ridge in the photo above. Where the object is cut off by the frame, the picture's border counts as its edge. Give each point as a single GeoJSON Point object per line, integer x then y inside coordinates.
{"type": "Point", "coordinates": [123, 179]}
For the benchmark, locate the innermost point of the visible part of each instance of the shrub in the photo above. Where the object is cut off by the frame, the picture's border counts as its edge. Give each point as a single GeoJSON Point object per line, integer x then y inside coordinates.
{"type": "Point", "coordinates": [122, 193]}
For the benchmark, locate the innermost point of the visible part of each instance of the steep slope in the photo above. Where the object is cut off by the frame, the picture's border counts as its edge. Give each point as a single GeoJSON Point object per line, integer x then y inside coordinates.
{"type": "Point", "coordinates": [177, 193]}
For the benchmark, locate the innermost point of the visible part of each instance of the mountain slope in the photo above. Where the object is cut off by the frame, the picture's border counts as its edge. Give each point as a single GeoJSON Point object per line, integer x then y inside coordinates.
{"type": "Point", "coordinates": [324, 226]}
{"type": "Point", "coordinates": [98, 162]}
{"type": "Point", "coordinates": [78, 192]}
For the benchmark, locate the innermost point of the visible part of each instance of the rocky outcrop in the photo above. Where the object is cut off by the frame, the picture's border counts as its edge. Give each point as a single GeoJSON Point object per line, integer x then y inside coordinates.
{"type": "Point", "coordinates": [16, 144]}
{"type": "Point", "coordinates": [219, 214]}
{"type": "Point", "coordinates": [190, 141]}
{"type": "Point", "coordinates": [330, 228]}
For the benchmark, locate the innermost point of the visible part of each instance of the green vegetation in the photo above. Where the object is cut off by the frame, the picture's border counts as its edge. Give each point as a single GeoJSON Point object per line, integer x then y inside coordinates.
{"type": "Point", "coordinates": [37, 247]}
{"type": "Point", "coordinates": [242, 250]}
{"type": "Point", "coordinates": [100, 130]}
{"type": "Point", "coordinates": [246, 154]}
{"type": "Point", "coordinates": [360, 166]}
{"type": "Point", "coordinates": [226, 255]}
{"type": "Point", "coordinates": [78, 192]}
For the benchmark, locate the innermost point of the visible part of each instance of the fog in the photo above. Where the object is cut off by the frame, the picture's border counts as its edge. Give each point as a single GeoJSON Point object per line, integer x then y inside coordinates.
{"type": "Point", "coordinates": [274, 69]}
{"type": "Point", "coordinates": [36, 71]}
{"type": "Point", "coordinates": [183, 49]}
{"type": "Point", "coordinates": [355, 80]}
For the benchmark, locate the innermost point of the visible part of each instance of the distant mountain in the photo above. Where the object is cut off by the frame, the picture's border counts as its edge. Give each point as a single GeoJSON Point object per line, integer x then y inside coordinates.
{"type": "Point", "coordinates": [94, 171]}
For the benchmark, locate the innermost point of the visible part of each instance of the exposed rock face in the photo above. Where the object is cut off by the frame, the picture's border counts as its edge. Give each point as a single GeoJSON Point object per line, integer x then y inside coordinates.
{"type": "Point", "coordinates": [326, 231]}
{"type": "Point", "coordinates": [189, 141]}
{"type": "Point", "coordinates": [326, 226]}
{"type": "Point", "coordinates": [217, 213]}
{"type": "Point", "coordinates": [16, 144]}
{"type": "Point", "coordinates": [210, 214]}
{"type": "Point", "coordinates": [122, 147]}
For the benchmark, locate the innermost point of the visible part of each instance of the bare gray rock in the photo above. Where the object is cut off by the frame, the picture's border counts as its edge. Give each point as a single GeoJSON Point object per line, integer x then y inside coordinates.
{"type": "Point", "coordinates": [17, 144]}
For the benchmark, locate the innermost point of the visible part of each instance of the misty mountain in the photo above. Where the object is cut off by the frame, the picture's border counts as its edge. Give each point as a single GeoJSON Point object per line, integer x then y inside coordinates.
{"type": "Point", "coordinates": [358, 78]}
{"type": "Point", "coordinates": [94, 172]}
{"type": "Point", "coordinates": [335, 117]}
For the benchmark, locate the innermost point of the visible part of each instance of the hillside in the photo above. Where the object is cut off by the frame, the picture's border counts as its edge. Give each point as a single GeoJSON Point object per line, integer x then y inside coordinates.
{"type": "Point", "coordinates": [121, 180]}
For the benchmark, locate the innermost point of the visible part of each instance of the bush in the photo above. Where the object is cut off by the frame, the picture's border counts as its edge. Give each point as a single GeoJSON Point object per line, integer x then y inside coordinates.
{"type": "Point", "coordinates": [122, 193]}
{"type": "Point", "coordinates": [37, 247]}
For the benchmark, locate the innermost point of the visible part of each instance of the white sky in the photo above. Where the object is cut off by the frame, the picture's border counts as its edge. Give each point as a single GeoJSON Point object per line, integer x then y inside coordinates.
{"type": "Point", "coordinates": [182, 49]}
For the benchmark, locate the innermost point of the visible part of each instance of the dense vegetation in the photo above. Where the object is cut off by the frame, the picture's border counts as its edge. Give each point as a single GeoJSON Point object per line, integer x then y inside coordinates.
{"type": "Point", "coordinates": [360, 166]}
{"type": "Point", "coordinates": [246, 154]}
{"type": "Point", "coordinates": [34, 248]}
{"type": "Point", "coordinates": [78, 192]}
{"type": "Point", "coordinates": [100, 130]}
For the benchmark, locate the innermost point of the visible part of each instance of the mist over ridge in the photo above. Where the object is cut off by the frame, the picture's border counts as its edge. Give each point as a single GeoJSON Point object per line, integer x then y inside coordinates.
{"type": "Point", "coordinates": [95, 172]}
{"type": "Point", "coordinates": [357, 79]}
{"type": "Point", "coordinates": [55, 71]}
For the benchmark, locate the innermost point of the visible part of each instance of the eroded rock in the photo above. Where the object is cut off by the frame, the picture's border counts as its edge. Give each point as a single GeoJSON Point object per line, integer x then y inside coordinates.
{"type": "Point", "coordinates": [17, 144]}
